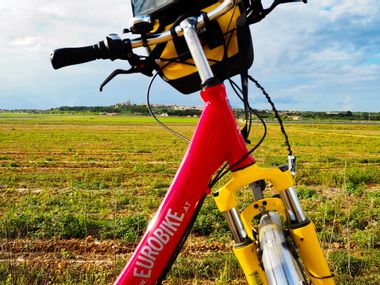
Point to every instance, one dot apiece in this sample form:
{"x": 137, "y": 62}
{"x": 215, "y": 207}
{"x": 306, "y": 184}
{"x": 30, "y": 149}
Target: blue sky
{"x": 322, "y": 56}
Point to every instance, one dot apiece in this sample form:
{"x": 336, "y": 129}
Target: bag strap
{"x": 179, "y": 42}
{"x": 242, "y": 29}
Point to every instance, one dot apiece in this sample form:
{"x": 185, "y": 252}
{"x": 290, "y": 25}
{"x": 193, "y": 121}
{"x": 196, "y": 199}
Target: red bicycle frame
{"x": 217, "y": 139}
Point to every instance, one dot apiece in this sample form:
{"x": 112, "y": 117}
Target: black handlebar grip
{"x": 70, "y": 56}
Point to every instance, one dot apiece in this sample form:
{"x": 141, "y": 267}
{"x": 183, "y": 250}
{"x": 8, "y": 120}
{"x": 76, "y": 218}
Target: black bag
{"x": 227, "y": 41}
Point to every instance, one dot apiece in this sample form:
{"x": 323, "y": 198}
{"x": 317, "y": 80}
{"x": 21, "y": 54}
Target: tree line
{"x": 140, "y": 109}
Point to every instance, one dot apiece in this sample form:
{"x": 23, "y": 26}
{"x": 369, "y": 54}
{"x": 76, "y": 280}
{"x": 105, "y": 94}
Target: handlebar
{"x": 111, "y": 48}
{"x": 115, "y": 48}
{"x": 70, "y": 56}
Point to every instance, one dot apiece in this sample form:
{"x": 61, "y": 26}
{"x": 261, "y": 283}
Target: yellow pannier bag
{"x": 226, "y": 43}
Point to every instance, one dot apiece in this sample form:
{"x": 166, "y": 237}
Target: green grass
{"x": 84, "y": 119}
{"x": 75, "y": 176}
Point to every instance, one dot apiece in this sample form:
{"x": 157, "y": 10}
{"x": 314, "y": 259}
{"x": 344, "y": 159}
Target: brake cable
{"x": 238, "y": 91}
{"x": 149, "y": 106}
{"x": 223, "y": 171}
{"x": 277, "y": 115}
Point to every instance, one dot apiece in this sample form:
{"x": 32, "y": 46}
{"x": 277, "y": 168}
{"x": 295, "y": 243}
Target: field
{"x": 76, "y": 192}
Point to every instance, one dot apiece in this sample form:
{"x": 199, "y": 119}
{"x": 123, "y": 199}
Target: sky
{"x": 320, "y": 56}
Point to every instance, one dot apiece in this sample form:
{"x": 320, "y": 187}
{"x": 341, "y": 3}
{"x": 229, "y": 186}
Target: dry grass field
{"x": 76, "y": 192}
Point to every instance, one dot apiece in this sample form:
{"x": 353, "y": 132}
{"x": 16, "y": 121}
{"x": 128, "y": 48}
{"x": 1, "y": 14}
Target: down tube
{"x": 217, "y": 139}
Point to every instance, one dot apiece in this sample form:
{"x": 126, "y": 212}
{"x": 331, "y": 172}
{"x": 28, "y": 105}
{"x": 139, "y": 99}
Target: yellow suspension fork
{"x": 241, "y": 224}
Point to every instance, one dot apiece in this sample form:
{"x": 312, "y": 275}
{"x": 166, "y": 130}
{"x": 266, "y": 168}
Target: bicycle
{"x": 274, "y": 242}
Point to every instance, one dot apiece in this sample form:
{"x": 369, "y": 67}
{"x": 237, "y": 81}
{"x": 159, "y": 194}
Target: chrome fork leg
{"x": 293, "y": 206}
{"x": 236, "y": 226}
{"x": 290, "y": 199}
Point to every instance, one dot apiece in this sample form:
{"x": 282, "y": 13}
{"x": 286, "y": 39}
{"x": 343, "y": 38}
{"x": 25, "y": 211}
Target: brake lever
{"x": 116, "y": 73}
{"x": 278, "y": 2}
{"x": 144, "y": 66}
{"x": 258, "y": 12}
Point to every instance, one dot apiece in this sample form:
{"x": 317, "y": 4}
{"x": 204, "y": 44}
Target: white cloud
{"x": 29, "y": 42}
{"x": 317, "y": 54}
{"x": 347, "y": 104}
{"x": 59, "y": 9}
{"x": 365, "y": 9}
{"x": 325, "y": 51}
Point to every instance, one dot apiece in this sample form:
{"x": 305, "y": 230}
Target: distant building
{"x": 183, "y": 107}
{"x": 108, "y": 114}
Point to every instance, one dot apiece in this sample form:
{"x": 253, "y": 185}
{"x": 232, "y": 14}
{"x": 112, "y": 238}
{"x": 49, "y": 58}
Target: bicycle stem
{"x": 191, "y": 36}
